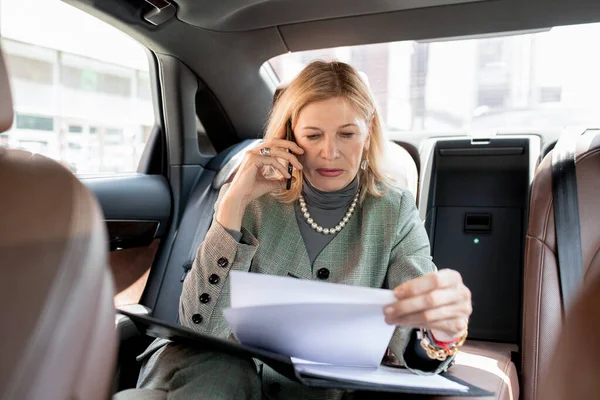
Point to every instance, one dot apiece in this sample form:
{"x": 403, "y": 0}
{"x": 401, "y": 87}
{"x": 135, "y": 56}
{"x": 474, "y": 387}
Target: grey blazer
{"x": 383, "y": 245}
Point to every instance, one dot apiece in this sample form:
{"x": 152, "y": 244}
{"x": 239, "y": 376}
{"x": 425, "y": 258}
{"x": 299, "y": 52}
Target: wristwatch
{"x": 437, "y": 350}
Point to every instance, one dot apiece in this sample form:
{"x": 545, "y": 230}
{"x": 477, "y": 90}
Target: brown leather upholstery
{"x": 542, "y": 317}
{"x": 576, "y": 364}
{"x": 58, "y": 337}
{"x": 489, "y": 366}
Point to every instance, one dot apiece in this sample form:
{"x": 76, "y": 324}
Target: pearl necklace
{"x": 327, "y": 231}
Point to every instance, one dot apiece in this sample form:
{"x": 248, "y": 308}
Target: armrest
{"x": 124, "y": 325}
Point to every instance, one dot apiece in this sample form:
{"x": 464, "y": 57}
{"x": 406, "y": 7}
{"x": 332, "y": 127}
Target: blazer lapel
{"x": 285, "y": 251}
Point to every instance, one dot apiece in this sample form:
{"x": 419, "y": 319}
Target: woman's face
{"x": 334, "y": 137}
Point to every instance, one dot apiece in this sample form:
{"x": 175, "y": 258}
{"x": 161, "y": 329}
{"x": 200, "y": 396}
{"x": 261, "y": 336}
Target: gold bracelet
{"x": 437, "y": 353}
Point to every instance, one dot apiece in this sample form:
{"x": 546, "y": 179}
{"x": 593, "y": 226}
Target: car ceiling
{"x": 241, "y": 15}
{"x": 225, "y": 42}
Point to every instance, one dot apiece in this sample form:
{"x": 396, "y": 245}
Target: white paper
{"x": 381, "y": 375}
{"x": 339, "y": 329}
{"x": 347, "y": 334}
{"x": 249, "y": 289}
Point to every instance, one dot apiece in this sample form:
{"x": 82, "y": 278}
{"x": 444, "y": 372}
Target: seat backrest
{"x": 195, "y": 221}
{"x": 402, "y": 167}
{"x": 58, "y": 338}
{"x": 542, "y": 309}
{"x": 576, "y": 363}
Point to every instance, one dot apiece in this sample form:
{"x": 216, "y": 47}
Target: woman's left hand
{"x": 438, "y": 301}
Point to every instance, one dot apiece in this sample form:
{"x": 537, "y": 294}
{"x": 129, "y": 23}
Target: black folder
{"x": 156, "y": 328}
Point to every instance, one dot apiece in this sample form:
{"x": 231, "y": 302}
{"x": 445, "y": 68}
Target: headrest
{"x": 402, "y": 167}
{"x": 6, "y": 105}
{"x": 228, "y": 165}
{"x": 56, "y": 294}
{"x": 279, "y": 91}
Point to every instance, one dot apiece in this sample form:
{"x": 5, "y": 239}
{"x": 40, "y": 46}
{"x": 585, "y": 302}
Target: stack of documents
{"x": 328, "y": 330}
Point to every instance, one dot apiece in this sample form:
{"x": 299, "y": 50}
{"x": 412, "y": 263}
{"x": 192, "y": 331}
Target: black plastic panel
{"x": 476, "y": 223}
{"x": 128, "y": 234}
{"x": 135, "y": 197}
{"x": 482, "y": 151}
{"x": 483, "y": 187}
{"x": 490, "y": 266}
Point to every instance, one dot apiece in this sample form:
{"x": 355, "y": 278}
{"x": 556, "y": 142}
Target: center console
{"x": 474, "y": 198}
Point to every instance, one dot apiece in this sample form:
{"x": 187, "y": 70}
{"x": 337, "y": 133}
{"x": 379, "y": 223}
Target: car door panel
{"x": 133, "y": 198}
{"x": 137, "y": 209}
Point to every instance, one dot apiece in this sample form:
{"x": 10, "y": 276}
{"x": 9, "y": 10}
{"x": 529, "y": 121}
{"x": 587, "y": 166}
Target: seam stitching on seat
{"x": 536, "y": 346}
{"x": 543, "y": 243}
{"x": 538, "y": 319}
{"x": 587, "y": 268}
{"x": 547, "y": 219}
{"x": 525, "y": 298}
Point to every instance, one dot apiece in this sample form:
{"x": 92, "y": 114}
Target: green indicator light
{"x": 476, "y": 240}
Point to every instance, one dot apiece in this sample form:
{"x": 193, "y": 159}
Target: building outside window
{"x": 80, "y": 99}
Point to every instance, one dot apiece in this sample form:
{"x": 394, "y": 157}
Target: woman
{"x": 341, "y": 221}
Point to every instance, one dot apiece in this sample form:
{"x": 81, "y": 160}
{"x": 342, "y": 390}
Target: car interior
{"x": 485, "y": 196}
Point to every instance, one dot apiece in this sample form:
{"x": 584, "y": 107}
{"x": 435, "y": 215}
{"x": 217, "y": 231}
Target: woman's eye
{"x": 312, "y": 137}
{"x": 347, "y": 134}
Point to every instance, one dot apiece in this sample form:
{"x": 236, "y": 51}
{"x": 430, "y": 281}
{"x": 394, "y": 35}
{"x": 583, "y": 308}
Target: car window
{"x": 81, "y": 88}
{"x": 541, "y": 80}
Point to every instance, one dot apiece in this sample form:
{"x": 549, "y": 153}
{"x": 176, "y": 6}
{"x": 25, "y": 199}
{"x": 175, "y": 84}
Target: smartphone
{"x": 290, "y": 137}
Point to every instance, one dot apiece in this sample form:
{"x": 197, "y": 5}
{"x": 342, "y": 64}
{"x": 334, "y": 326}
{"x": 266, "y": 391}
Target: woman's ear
{"x": 368, "y": 142}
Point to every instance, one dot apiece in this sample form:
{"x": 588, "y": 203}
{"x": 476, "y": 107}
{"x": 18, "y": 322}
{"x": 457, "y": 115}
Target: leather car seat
{"x": 576, "y": 363}
{"x": 542, "y": 308}
{"x": 58, "y": 338}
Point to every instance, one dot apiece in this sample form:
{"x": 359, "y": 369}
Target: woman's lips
{"x": 330, "y": 173}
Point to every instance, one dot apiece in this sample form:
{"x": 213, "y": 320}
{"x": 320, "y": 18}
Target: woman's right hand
{"x": 251, "y": 182}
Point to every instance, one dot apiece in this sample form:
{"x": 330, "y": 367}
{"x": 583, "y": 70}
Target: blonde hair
{"x": 319, "y": 81}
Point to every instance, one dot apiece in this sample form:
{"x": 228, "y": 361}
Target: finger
{"x": 432, "y": 316}
{"x": 285, "y": 144}
{"x": 262, "y": 161}
{"x": 283, "y": 154}
{"x": 444, "y": 278}
{"x": 428, "y": 301}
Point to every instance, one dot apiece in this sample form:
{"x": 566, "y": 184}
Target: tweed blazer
{"x": 382, "y": 245}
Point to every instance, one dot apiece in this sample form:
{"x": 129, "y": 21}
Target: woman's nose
{"x": 330, "y": 150}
